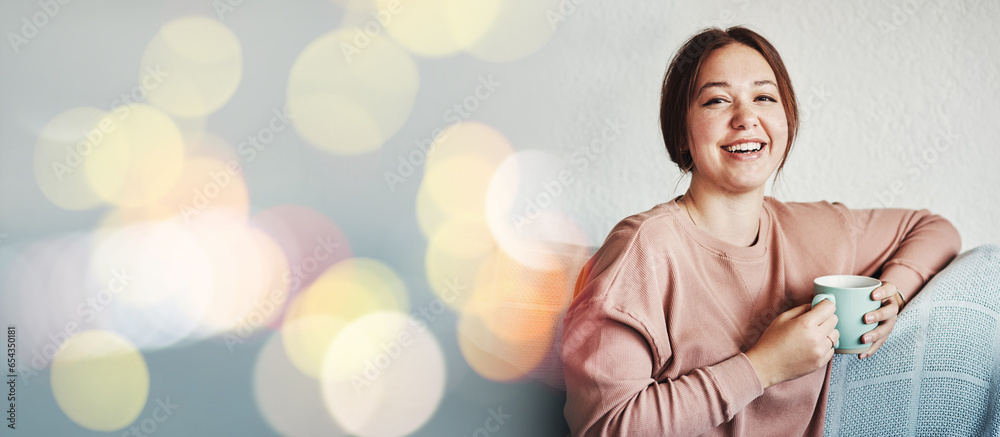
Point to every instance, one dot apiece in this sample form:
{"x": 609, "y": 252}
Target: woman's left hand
{"x": 884, "y": 316}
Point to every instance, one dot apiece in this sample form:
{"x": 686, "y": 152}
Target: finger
{"x": 871, "y": 351}
{"x": 828, "y": 356}
{"x": 830, "y": 324}
{"x": 796, "y": 311}
{"x": 835, "y": 336}
{"x": 882, "y": 331}
{"x": 820, "y": 312}
{"x": 884, "y": 313}
{"x": 884, "y": 291}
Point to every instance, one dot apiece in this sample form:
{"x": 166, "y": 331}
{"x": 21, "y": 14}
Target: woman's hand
{"x": 797, "y": 342}
{"x": 885, "y": 316}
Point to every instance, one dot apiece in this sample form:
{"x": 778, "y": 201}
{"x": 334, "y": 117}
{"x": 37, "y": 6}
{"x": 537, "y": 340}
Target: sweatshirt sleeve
{"x": 614, "y": 344}
{"x": 904, "y": 247}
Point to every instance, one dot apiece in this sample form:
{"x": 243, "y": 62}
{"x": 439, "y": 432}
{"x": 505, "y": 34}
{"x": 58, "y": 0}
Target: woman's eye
{"x": 767, "y": 98}
{"x": 714, "y": 101}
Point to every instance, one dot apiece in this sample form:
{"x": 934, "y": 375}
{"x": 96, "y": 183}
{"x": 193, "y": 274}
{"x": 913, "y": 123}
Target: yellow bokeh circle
{"x": 100, "y": 380}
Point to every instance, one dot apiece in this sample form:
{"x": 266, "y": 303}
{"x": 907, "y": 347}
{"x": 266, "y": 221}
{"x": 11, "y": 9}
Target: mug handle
{"x": 821, "y": 297}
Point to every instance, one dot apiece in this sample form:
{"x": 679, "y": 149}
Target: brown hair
{"x": 680, "y": 81}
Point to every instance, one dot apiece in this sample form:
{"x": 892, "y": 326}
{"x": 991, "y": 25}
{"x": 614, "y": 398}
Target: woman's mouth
{"x": 744, "y": 147}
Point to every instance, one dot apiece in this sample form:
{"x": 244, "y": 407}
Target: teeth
{"x": 743, "y": 147}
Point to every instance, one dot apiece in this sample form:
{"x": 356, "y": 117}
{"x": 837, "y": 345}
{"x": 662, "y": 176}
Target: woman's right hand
{"x": 797, "y": 342}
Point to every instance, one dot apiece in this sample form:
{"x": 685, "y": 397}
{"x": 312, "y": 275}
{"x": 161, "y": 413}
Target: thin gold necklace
{"x": 687, "y": 210}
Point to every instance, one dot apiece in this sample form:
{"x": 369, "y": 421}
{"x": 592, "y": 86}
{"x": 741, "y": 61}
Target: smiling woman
{"x": 694, "y": 317}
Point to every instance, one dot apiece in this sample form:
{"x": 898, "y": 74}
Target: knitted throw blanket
{"x": 939, "y": 372}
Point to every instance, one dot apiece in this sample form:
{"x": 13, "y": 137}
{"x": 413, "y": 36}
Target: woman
{"x": 693, "y": 317}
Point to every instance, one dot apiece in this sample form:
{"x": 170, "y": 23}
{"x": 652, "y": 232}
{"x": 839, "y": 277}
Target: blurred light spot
{"x": 509, "y": 324}
{"x": 156, "y": 281}
{"x": 191, "y": 67}
{"x": 353, "y": 5}
{"x": 35, "y": 296}
{"x": 204, "y": 183}
{"x": 469, "y": 138}
{"x": 350, "y": 289}
{"x": 248, "y": 267}
{"x": 63, "y": 145}
{"x": 100, "y": 380}
{"x": 459, "y": 185}
{"x": 347, "y": 97}
{"x": 458, "y": 174}
{"x": 139, "y": 158}
{"x": 287, "y": 398}
{"x": 310, "y": 240}
{"x": 521, "y": 204}
{"x": 520, "y": 28}
{"x": 432, "y": 28}
{"x": 455, "y": 253}
{"x": 383, "y": 375}
{"x": 307, "y": 337}
{"x": 430, "y": 214}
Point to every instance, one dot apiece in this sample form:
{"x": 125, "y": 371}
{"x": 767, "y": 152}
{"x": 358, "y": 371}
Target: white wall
{"x": 896, "y": 95}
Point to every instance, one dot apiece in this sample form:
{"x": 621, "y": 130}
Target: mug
{"x": 852, "y": 296}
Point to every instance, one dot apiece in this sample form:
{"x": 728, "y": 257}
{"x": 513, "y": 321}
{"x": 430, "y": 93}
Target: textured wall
{"x": 898, "y": 95}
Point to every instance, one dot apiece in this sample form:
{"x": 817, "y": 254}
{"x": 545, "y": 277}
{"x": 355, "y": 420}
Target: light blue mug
{"x": 852, "y": 296}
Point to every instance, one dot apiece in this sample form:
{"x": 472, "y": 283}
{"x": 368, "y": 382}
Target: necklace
{"x": 687, "y": 210}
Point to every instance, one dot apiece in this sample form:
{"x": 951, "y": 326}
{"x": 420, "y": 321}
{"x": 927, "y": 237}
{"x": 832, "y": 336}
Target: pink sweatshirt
{"x": 654, "y": 340}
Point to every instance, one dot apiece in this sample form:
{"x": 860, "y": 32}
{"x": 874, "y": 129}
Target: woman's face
{"x": 737, "y": 131}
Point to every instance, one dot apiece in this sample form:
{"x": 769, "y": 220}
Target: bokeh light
{"x": 204, "y": 183}
{"x": 348, "y": 101}
{"x": 454, "y": 255}
{"x": 62, "y": 146}
{"x": 289, "y": 400}
{"x": 191, "y": 67}
{"x": 383, "y": 376}
{"x": 139, "y": 158}
{"x": 458, "y": 173}
{"x": 155, "y": 280}
{"x": 436, "y": 28}
{"x": 248, "y": 269}
{"x": 509, "y": 324}
{"x": 100, "y": 380}
{"x": 521, "y": 27}
{"x": 522, "y": 204}
{"x": 43, "y": 300}
{"x": 310, "y": 241}
{"x": 350, "y": 289}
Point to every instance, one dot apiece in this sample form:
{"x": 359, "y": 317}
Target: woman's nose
{"x": 744, "y": 117}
